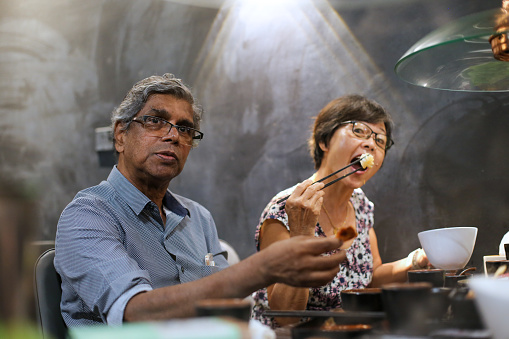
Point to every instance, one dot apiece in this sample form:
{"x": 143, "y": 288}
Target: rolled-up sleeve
{"x": 112, "y": 244}
{"x": 93, "y": 263}
{"x": 116, "y": 312}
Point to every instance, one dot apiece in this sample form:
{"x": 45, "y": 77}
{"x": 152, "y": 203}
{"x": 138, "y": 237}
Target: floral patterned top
{"x": 355, "y": 272}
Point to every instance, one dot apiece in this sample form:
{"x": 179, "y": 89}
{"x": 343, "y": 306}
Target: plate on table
{"x": 334, "y": 327}
{"x": 339, "y": 314}
{"x": 332, "y": 324}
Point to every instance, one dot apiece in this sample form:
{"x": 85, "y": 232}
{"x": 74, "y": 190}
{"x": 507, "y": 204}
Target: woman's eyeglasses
{"x": 363, "y": 131}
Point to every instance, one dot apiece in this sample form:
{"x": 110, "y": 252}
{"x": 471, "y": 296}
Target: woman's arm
{"x": 303, "y": 208}
{"x": 395, "y": 271}
{"x": 282, "y": 296}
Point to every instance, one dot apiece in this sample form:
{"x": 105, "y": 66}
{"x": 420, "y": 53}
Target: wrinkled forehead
{"x": 167, "y": 107}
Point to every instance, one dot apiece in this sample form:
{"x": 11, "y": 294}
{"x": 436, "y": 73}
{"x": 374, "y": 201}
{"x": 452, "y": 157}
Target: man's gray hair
{"x": 139, "y": 93}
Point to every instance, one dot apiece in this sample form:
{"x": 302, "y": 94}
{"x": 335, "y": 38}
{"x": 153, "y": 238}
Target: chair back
{"x": 48, "y": 293}
{"x": 233, "y": 256}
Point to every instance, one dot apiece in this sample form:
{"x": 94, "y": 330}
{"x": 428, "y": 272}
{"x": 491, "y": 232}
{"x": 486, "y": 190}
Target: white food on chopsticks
{"x": 367, "y": 160}
{"x": 501, "y": 270}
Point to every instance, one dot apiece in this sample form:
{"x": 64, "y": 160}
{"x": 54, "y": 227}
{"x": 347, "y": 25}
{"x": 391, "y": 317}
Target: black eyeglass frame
{"x": 389, "y": 142}
{"x": 142, "y": 120}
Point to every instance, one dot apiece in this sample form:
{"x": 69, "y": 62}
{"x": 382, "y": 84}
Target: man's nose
{"x": 172, "y": 134}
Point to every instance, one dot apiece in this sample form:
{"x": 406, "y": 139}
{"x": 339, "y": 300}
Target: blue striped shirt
{"x": 111, "y": 244}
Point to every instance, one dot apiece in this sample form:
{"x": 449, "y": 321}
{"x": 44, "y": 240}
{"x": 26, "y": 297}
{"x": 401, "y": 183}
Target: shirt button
{"x": 182, "y": 269}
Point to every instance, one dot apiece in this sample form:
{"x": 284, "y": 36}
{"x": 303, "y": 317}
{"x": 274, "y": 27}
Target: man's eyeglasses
{"x": 158, "y": 127}
{"x": 363, "y": 131}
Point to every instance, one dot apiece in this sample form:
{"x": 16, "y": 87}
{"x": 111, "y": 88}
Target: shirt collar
{"x": 174, "y": 205}
{"x": 137, "y": 200}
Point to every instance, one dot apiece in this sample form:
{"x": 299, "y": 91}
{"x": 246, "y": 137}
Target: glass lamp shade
{"x": 459, "y": 56}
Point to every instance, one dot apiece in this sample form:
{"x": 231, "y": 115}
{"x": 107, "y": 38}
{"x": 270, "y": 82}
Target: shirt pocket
{"x": 207, "y": 270}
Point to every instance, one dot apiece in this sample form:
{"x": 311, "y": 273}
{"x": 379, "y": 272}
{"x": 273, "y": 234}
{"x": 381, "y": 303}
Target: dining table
{"x": 310, "y": 327}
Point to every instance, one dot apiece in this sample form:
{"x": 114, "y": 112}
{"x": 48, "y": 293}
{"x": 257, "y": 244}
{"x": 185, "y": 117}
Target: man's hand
{"x": 303, "y": 207}
{"x": 299, "y": 262}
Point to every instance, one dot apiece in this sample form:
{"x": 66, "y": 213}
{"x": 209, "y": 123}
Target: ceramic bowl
{"x": 464, "y": 312}
{"x": 451, "y": 280}
{"x": 449, "y": 248}
{"x": 362, "y": 300}
{"x": 435, "y": 276}
{"x": 407, "y": 307}
{"x": 492, "y": 299}
{"x": 439, "y": 302}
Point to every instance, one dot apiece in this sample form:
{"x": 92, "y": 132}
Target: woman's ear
{"x": 322, "y": 146}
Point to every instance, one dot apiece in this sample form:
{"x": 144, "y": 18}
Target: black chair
{"x": 48, "y": 293}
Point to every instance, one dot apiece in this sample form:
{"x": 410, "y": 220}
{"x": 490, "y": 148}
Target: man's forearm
{"x": 178, "y": 301}
{"x": 297, "y": 262}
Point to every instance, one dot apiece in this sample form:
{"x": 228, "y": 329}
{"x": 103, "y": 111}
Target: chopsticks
{"x": 344, "y": 176}
{"x": 330, "y": 175}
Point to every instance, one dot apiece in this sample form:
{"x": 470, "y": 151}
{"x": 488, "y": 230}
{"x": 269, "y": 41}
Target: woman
{"x": 343, "y": 131}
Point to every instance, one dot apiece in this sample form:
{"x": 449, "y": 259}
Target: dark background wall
{"x": 261, "y": 70}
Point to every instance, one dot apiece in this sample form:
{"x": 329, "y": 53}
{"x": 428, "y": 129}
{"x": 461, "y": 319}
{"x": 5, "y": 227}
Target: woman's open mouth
{"x": 357, "y": 167}
{"x": 362, "y": 162}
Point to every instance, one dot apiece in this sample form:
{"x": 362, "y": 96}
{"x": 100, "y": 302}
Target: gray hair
{"x": 138, "y": 95}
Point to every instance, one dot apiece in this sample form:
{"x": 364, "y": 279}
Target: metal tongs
{"x": 334, "y": 173}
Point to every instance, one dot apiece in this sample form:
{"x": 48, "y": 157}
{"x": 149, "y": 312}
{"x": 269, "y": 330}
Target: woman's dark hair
{"x": 342, "y": 109}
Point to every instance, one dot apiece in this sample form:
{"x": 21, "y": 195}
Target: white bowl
{"x": 449, "y": 248}
{"x": 492, "y": 300}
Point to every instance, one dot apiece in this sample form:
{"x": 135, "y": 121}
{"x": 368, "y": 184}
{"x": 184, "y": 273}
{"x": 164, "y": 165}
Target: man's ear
{"x": 119, "y": 136}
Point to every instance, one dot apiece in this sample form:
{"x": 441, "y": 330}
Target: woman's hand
{"x": 303, "y": 208}
{"x": 419, "y": 259}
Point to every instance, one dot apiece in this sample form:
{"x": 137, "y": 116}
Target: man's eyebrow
{"x": 163, "y": 113}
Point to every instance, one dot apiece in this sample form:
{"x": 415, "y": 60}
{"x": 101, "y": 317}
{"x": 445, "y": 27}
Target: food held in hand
{"x": 346, "y": 233}
{"x": 367, "y": 160}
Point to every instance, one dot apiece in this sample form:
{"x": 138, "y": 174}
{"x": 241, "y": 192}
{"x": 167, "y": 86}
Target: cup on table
{"x": 407, "y": 307}
{"x": 438, "y": 303}
{"x": 452, "y": 280}
{"x": 465, "y": 314}
{"x": 493, "y": 262}
{"x": 434, "y": 276}
{"x": 362, "y": 300}
{"x": 224, "y": 307}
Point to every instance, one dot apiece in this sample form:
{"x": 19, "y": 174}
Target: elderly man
{"x": 128, "y": 249}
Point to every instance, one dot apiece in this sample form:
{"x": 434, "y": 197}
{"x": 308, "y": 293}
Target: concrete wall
{"x": 261, "y": 73}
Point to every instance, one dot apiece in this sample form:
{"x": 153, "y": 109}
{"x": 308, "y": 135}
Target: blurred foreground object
{"x": 192, "y": 328}
{"x": 17, "y": 222}
{"x": 492, "y": 299}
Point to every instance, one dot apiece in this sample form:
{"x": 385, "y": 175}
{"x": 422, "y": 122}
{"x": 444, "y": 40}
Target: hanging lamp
{"x": 470, "y": 54}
